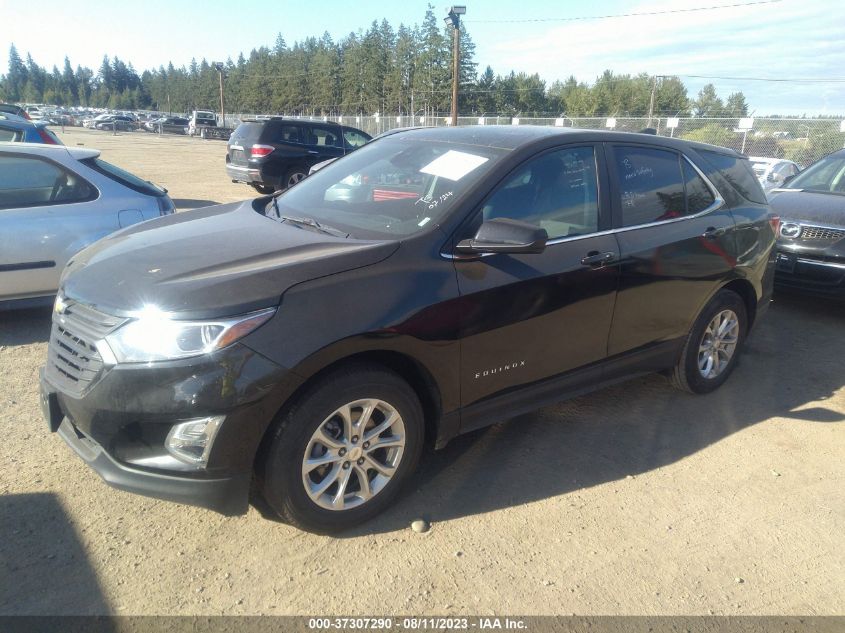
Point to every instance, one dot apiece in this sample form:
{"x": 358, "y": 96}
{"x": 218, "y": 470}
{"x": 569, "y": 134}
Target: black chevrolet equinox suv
{"x": 303, "y": 347}
{"x": 276, "y": 153}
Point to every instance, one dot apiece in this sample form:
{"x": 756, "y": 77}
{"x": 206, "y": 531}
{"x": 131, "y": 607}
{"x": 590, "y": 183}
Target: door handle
{"x": 713, "y": 233}
{"x": 312, "y": 151}
{"x": 597, "y": 260}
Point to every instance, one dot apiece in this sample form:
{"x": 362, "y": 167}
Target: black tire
{"x": 263, "y": 189}
{"x": 294, "y": 172}
{"x": 283, "y": 487}
{"x": 686, "y": 375}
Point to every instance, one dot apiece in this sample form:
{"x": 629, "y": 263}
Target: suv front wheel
{"x": 342, "y": 451}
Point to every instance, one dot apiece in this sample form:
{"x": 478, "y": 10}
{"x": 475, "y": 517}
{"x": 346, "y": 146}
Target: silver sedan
{"x": 55, "y": 201}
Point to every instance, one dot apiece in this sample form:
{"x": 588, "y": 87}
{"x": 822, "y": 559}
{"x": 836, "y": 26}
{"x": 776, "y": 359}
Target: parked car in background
{"x": 811, "y": 244}
{"x": 773, "y": 172}
{"x": 116, "y": 122}
{"x": 276, "y": 153}
{"x": 16, "y": 129}
{"x": 199, "y": 119}
{"x": 171, "y": 125}
{"x": 303, "y": 346}
{"x": 10, "y": 108}
{"x": 93, "y": 121}
{"x": 54, "y": 201}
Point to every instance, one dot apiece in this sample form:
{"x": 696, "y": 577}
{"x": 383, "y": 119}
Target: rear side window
{"x": 322, "y": 137}
{"x": 9, "y": 135}
{"x": 289, "y": 134}
{"x": 122, "y": 176}
{"x": 27, "y": 181}
{"x": 739, "y": 173}
{"x": 354, "y": 138}
{"x": 651, "y": 185}
{"x": 699, "y": 196}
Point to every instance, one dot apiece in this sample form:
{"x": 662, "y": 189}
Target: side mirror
{"x": 505, "y": 236}
{"x": 788, "y": 179}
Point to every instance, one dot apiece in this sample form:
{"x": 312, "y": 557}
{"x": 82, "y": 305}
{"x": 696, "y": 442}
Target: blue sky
{"x": 787, "y": 39}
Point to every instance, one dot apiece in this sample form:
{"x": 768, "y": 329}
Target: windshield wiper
{"x": 311, "y": 223}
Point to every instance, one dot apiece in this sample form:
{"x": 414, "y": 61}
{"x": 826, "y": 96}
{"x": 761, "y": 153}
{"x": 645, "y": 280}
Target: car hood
{"x": 825, "y": 209}
{"x": 208, "y": 263}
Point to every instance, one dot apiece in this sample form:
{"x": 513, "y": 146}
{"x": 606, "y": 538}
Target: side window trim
{"x": 616, "y": 212}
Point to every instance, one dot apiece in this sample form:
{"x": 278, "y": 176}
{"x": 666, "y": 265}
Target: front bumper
{"x": 226, "y": 495}
{"x": 804, "y": 273}
{"x": 118, "y": 425}
{"x": 243, "y": 174}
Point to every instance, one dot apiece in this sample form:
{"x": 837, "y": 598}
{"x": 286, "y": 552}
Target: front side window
{"x": 651, "y": 186}
{"x": 29, "y": 181}
{"x": 393, "y": 188}
{"x": 557, "y": 191}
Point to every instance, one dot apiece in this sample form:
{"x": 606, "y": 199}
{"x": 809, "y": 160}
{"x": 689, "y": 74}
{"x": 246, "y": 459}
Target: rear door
{"x": 676, "y": 241}
{"x": 46, "y": 210}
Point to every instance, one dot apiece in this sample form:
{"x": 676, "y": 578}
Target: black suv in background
{"x": 276, "y": 153}
{"x": 435, "y": 281}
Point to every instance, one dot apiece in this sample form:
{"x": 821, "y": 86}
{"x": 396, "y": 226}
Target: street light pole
{"x": 454, "y": 19}
{"x": 219, "y": 67}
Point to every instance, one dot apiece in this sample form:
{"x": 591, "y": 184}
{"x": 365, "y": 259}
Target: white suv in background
{"x": 772, "y": 172}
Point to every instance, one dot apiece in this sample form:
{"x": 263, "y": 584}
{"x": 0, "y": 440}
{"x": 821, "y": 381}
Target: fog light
{"x": 191, "y": 441}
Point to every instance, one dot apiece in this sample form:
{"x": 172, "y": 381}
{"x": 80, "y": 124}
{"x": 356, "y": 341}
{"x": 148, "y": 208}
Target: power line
{"x": 832, "y": 80}
{"x": 630, "y": 15}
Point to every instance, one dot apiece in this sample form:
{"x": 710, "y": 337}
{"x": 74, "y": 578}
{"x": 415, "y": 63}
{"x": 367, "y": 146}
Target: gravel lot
{"x": 633, "y": 500}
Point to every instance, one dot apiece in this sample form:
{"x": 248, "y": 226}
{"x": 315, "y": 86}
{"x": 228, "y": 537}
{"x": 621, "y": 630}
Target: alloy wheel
{"x": 353, "y": 454}
{"x": 718, "y": 344}
{"x": 295, "y": 178}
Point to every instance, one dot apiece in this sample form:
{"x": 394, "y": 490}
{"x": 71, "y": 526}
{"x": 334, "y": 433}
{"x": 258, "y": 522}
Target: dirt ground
{"x": 636, "y": 499}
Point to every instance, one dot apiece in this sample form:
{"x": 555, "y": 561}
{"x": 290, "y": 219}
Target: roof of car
{"x": 511, "y": 137}
{"x": 79, "y": 153}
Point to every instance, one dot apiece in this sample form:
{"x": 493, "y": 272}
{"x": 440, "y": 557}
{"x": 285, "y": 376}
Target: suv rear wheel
{"x": 713, "y": 345}
{"x": 293, "y": 176}
{"x": 342, "y": 451}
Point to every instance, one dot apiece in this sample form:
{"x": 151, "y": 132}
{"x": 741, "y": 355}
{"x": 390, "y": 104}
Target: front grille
{"x": 821, "y": 233}
{"x": 73, "y": 361}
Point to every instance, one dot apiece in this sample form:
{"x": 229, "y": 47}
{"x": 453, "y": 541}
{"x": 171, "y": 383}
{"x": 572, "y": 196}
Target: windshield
{"x": 388, "y": 189}
{"x": 827, "y": 175}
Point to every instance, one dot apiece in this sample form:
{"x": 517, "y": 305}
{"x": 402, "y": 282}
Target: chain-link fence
{"x": 800, "y": 140}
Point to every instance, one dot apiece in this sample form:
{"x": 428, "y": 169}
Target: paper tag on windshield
{"x": 453, "y": 165}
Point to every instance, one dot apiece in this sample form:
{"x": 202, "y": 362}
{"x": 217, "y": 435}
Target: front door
{"x": 527, "y": 318}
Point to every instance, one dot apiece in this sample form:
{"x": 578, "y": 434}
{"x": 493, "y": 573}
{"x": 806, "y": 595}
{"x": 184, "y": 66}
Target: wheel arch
{"x": 745, "y": 289}
{"x": 406, "y": 367}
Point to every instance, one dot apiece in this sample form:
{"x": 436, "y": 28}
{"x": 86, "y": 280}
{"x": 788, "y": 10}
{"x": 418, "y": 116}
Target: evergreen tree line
{"x": 390, "y": 71}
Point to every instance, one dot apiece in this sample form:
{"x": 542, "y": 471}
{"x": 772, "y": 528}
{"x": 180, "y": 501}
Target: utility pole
{"x": 454, "y": 19}
{"x": 219, "y": 67}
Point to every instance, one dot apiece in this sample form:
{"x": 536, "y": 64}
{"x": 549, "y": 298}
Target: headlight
{"x": 153, "y": 336}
